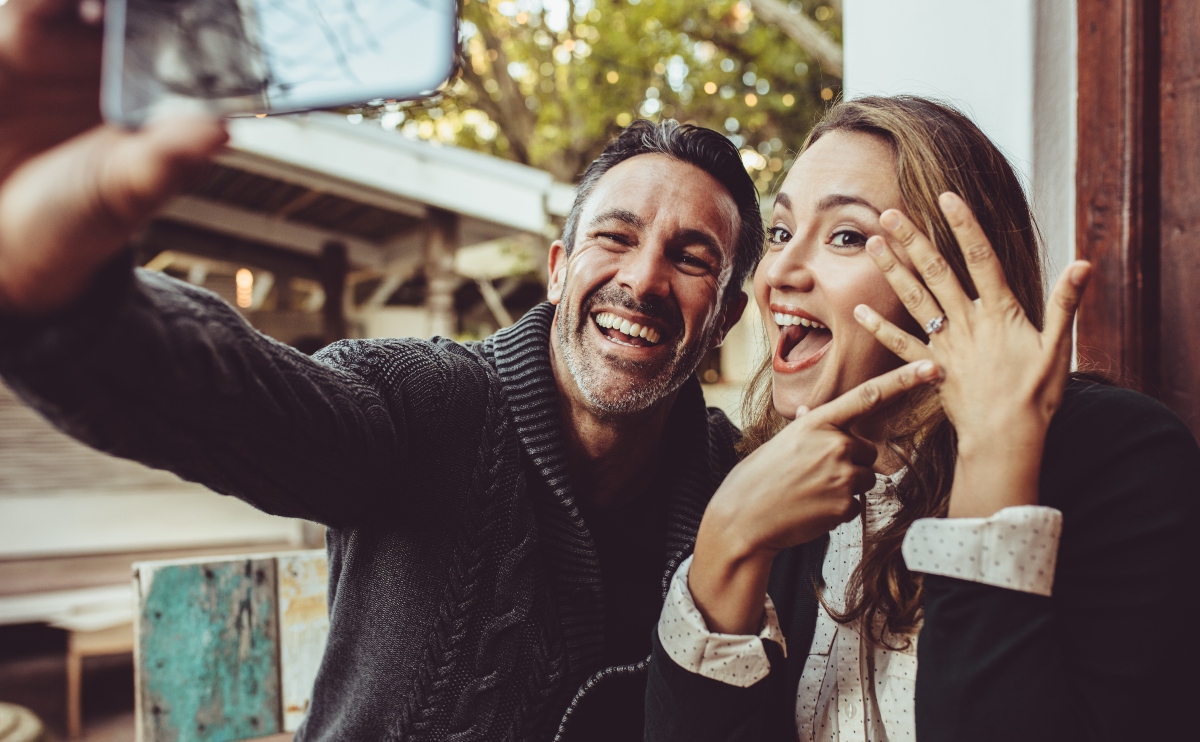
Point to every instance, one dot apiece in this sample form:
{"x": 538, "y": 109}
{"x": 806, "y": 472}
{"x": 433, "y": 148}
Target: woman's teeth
{"x": 783, "y": 320}
{"x": 608, "y": 320}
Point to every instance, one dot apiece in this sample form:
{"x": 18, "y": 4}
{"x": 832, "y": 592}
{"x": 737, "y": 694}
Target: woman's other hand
{"x": 796, "y": 487}
{"x": 72, "y": 190}
{"x": 1004, "y": 379}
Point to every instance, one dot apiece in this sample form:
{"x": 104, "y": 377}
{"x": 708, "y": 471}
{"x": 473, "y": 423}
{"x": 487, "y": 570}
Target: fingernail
{"x": 890, "y": 219}
{"x": 861, "y": 313}
{"x": 1079, "y": 274}
{"x": 875, "y": 246}
{"x": 927, "y": 370}
{"x": 801, "y": 411}
{"x": 948, "y": 200}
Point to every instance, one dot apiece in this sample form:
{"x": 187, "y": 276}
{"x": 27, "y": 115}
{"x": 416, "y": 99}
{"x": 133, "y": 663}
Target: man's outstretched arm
{"x": 156, "y": 370}
{"x": 152, "y": 369}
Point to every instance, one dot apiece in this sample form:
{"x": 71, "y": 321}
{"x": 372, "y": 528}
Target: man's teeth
{"x": 783, "y": 320}
{"x": 608, "y": 320}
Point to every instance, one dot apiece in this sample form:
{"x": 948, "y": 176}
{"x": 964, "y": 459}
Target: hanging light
{"x": 244, "y": 280}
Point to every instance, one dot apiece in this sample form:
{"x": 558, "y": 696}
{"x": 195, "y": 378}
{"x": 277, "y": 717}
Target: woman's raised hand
{"x": 1004, "y": 378}
{"x": 72, "y": 190}
{"x": 797, "y": 486}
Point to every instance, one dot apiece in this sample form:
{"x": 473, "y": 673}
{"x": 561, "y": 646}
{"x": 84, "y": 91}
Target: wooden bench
{"x": 228, "y": 649}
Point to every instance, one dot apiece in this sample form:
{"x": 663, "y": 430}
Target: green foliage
{"x": 548, "y": 82}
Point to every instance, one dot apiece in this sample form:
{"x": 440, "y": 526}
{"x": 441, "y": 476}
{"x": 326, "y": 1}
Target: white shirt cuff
{"x": 1015, "y": 548}
{"x": 734, "y": 659}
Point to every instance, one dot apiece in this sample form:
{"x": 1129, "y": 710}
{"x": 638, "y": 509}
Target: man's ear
{"x": 557, "y": 271}
{"x": 730, "y": 314}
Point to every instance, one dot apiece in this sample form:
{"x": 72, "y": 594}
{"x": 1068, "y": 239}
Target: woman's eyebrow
{"x": 838, "y": 199}
{"x": 829, "y": 202}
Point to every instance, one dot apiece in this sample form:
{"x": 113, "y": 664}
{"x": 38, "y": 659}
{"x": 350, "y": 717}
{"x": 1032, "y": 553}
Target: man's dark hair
{"x": 695, "y": 145}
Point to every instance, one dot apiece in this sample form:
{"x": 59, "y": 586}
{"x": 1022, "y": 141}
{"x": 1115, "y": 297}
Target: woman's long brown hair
{"x": 937, "y": 149}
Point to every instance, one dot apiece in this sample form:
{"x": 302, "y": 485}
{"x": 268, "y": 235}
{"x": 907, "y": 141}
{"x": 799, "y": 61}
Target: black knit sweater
{"x": 465, "y": 591}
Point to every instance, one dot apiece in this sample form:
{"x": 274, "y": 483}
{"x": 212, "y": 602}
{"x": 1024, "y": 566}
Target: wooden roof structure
{"x": 313, "y": 198}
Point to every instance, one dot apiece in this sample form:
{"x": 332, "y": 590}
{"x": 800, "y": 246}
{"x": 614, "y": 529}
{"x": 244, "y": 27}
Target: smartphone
{"x": 253, "y": 57}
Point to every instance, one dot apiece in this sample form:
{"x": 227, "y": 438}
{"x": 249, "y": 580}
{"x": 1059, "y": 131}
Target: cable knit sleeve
{"x": 152, "y": 369}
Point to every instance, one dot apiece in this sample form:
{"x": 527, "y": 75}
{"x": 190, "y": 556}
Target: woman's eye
{"x": 779, "y": 236}
{"x": 848, "y": 238}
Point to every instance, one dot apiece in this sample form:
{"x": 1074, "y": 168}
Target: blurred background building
{"x": 415, "y": 219}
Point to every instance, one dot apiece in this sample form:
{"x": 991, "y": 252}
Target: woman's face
{"x": 816, "y": 270}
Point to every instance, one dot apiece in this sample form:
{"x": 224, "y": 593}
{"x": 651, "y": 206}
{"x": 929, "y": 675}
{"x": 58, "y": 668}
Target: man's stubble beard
{"x": 590, "y": 369}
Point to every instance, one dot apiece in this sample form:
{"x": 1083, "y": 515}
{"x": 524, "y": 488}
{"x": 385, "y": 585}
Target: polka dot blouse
{"x": 849, "y": 689}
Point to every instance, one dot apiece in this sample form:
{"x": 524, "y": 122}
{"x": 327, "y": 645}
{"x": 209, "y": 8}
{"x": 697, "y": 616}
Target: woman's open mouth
{"x": 802, "y": 342}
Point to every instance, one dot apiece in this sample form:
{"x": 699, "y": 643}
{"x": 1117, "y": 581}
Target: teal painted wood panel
{"x": 208, "y": 646}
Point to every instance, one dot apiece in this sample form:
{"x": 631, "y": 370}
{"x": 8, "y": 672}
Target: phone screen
{"x": 231, "y": 57}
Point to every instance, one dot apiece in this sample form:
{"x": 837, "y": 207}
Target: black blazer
{"x": 1112, "y": 655}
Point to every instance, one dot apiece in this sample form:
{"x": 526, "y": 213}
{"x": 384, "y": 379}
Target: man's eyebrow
{"x": 621, "y": 215}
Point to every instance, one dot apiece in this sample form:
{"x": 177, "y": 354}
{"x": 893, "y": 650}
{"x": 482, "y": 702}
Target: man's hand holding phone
{"x": 73, "y": 190}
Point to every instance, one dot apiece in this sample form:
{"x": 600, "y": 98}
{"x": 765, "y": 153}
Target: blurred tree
{"x": 548, "y": 82}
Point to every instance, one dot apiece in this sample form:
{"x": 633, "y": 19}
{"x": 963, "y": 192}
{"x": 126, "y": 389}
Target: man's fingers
{"x": 66, "y": 211}
{"x": 915, "y": 297}
{"x": 891, "y": 337}
{"x": 872, "y": 395}
{"x": 144, "y": 169}
{"x": 934, "y": 269}
{"x": 982, "y": 263}
{"x": 1064, "y": 302}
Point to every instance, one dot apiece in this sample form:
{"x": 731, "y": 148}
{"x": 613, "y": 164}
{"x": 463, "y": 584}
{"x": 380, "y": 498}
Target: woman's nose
{"x": 791, "y": 269}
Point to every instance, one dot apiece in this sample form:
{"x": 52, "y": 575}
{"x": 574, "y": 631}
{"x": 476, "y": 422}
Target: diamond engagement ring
{"x": 935, "y": 325}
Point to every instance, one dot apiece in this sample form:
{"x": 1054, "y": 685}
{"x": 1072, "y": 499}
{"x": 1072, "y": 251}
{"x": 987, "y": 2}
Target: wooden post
{"x": 1138, "y": 195}
{"x": 1179, "y": 228}
{"x": 1117, "y": 187}
{"x": 334, "y": 267}
{"x": 440, "y": 245}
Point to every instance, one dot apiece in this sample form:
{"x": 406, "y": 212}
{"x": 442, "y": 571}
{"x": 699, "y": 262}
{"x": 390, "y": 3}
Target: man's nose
{"x": 646, "y": 271}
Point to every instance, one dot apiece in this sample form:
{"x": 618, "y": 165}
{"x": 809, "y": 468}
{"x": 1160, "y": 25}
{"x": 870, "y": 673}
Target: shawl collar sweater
{"x": 465, "y": 593}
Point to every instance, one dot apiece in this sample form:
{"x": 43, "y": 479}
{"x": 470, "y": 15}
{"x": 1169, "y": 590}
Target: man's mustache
{"x": 657, "y": 308}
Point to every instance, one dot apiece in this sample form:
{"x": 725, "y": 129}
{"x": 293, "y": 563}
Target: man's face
{"x": 639, "y": 300}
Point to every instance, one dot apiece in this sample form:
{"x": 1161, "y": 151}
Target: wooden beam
{"x": 467, "y": 183}
{"x": 278, "y": 169}
{"x": 163, "y": 235}
{"x": 251, "y": 225}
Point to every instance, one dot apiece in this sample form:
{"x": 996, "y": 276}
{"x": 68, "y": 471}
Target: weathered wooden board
{"x": 303, "y": 629}
{"x": 208, "y": 649}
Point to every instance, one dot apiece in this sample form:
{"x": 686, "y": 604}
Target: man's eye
{"x": 848, "y": 238}
{"x": 694, "y": 261}
{"x": 779, "y": 236}
{"x": 613, "y": 237}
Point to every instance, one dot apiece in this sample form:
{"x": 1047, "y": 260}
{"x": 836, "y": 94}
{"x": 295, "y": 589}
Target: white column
{"x": 1009, "y": 64}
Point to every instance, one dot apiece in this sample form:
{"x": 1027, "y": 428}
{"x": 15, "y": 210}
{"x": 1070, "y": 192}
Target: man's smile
{"x": 624, "y": 330}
